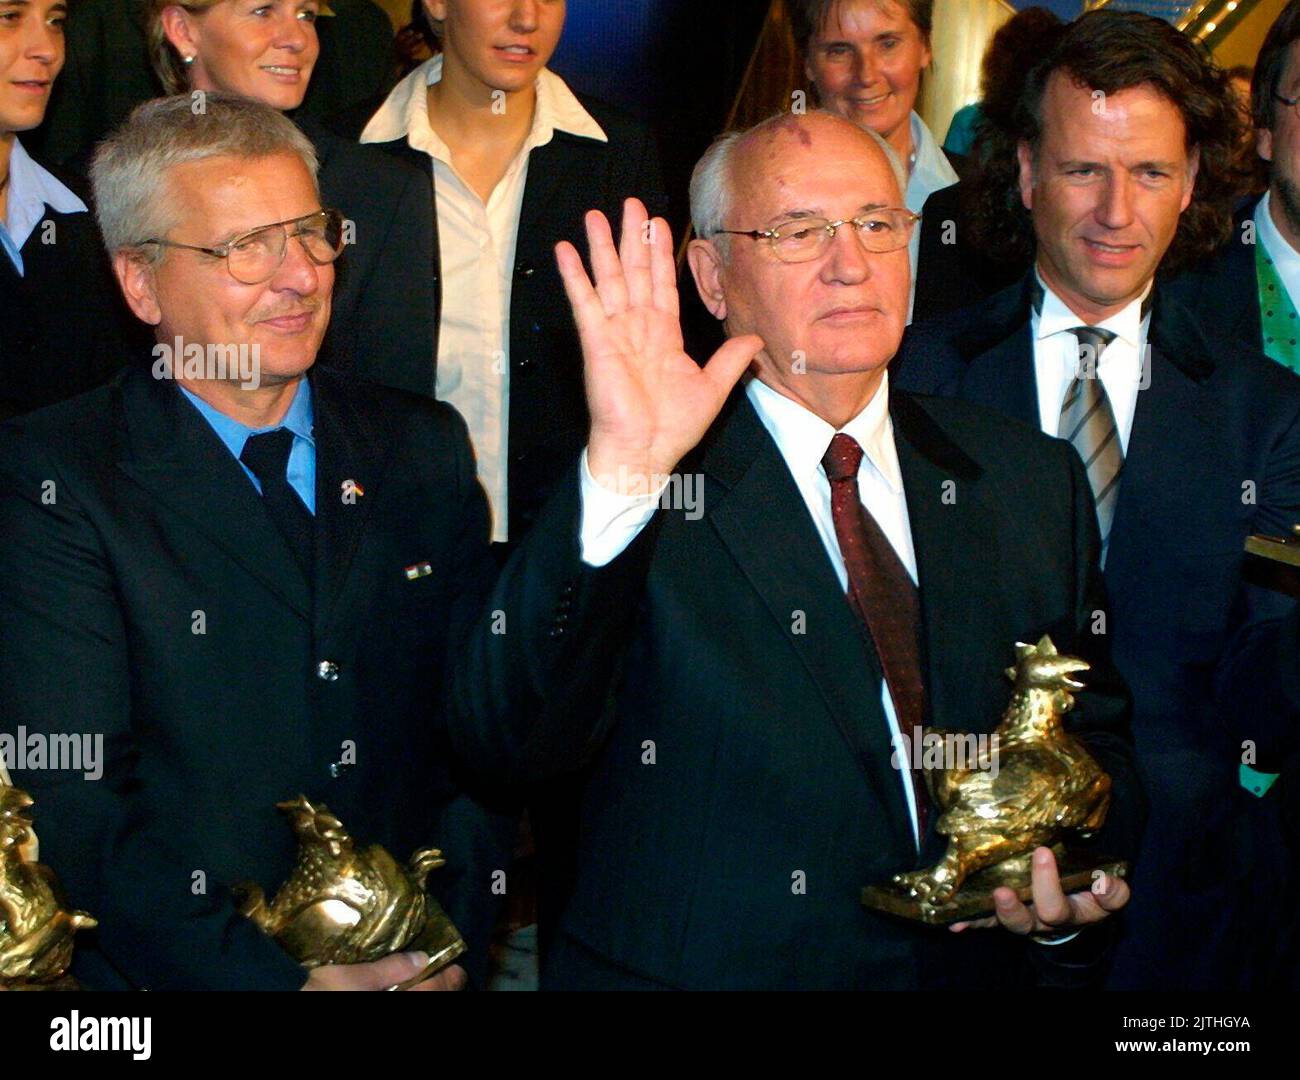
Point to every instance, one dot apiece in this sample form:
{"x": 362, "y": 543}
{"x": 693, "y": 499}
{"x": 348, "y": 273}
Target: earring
{"x": 188, "y": 60}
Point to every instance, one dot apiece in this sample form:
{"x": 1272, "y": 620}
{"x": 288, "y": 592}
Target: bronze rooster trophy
{"x": 1036, "y": 786}
{"x": 348, "y": 905}
{"x": 35, "y": 930}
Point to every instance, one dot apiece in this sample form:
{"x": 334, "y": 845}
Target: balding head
{"x": 717, "y": 171}
{"x": 833, "y": 315}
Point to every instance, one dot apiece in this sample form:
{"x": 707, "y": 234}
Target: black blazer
{"x": 65, "y": 325}
{"x": 154, "y": 530}
{"x": 1223, "y": 290}
{"x": 745, "y": 675}
{"x": 1214, "y": 456}
{"x": 953, "y": 271}
{"x": 567, "y": 177}
{"x": 383, "y": 322}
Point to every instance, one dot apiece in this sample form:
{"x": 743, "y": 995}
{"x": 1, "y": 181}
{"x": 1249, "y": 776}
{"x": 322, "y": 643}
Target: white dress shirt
{"x": 477, "y": 252}
{"x": 928, "y": 171}
{"x": 1120, "y": 366}
{"x": 610, "y": 522}
{"x": 1286, "y": 260}
{"x": 31, "y": 190}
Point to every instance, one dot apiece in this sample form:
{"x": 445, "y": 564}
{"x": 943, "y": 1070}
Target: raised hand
{"x": 650, "y": 403}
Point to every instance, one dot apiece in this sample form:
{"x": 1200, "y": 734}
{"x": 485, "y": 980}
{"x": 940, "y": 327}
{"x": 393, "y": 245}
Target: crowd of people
{"x": 352, "y": 450}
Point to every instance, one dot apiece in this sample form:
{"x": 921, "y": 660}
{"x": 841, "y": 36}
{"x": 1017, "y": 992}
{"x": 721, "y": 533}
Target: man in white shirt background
{"x": 734, "y": 741}
{"x": 1190, "y": 445}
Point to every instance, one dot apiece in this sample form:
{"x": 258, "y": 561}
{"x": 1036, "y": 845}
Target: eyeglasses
{"x": 254, "y": 257}
{"x": 807, "y": 238}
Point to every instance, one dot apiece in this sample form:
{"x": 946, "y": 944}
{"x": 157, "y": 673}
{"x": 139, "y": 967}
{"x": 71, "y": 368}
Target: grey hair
{"x": 711, "y": 180}
{"x": 129, "y": 174}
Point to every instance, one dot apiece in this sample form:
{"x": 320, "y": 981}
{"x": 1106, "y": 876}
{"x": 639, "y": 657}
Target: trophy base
{"x": 974, "y": 899}
{"x": 62, "y": 983}
{"x": 441, "y": 940}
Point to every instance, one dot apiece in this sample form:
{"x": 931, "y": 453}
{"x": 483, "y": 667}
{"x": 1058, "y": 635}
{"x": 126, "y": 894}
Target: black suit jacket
{"x": 1214, "y": 455}
{"x": 568, "y": 176}
{"x": 151, "y": 601}
{"x": 1223, "y": 290}
{"x": 952, "y": 270}
{"x": 384, "y": 319}
{"x": 66, "y": 327}
{"x": 731, "y": 727}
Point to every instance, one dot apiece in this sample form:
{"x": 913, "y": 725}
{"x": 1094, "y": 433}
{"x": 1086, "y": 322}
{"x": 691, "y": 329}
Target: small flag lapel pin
{"x": 418, "y": 570}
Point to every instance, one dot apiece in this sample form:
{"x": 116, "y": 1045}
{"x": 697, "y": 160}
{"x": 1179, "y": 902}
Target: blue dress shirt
{"x": 301, "y": 472}
{"x": 31, "y": 189}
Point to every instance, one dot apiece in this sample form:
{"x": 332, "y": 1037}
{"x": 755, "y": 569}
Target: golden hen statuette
{"x": 36, "y": 931}
{"x": 1043, "y": 787}
{"x": 347, "y": 905}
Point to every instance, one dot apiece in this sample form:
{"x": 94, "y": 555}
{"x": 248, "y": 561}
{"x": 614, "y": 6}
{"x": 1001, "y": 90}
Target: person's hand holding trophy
{"x": 1006, "y": 816}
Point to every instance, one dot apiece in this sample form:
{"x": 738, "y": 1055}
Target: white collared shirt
{"x": 1286, "y": 260}
{"x": 477, "y": 252}
{"x": 610, "y": 522}
{"x": 1056, "y": 360}
{"x": 931, "y": 171}
{"x": 31, "y": 189}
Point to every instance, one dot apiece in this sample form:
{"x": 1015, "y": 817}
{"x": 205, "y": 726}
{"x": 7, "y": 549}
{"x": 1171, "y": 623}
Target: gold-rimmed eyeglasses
{"x": 804, "y": 239}
{"x": 254, "y": 257}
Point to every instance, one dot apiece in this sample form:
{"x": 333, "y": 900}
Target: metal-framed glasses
{"x": 804, "y": 239}
{"x": 254, "y": 257}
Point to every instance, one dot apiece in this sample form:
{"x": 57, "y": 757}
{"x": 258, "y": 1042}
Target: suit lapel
{"x": 173, "y": 453}
{"x": 350, "y": 462}
{"x": 555, "y": 171}
{"x": 1175, "y": 427}
{"x": 764, "y": 523}
{"x": 1003, "y": 377}
{"x": 999, "y": 356}
{"x": 952, "y": 527}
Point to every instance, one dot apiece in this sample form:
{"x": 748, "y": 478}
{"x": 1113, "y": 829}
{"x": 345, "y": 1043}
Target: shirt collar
{"x": 1276, "y": 247}
{"x": 31, "y": 189}
{"x": 1057, "y": 318}
{"x": 931, "y": 169}
{"x": 405, "y": 113}
{"x": 803, "y": 437}
{"x": 299, "y": 419}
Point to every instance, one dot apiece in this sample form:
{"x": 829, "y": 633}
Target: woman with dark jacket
{"x": 63, "y": 323}
{"x": 384, "y": 320}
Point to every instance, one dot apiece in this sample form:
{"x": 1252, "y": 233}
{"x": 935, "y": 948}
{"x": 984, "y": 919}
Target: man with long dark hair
{"x": 1121, "y": 162}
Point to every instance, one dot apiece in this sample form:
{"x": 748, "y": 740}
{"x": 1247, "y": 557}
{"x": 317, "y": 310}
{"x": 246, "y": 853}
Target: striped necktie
{"x": 1088, "y": 422}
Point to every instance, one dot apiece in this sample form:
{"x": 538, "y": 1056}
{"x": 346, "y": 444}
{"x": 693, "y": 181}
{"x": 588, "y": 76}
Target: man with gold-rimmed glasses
{"x": 237, "y": 574}
{"x": 857, "y": 566}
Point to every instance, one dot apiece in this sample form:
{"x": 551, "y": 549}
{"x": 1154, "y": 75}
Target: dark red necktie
{"x": 883, "y": 596}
